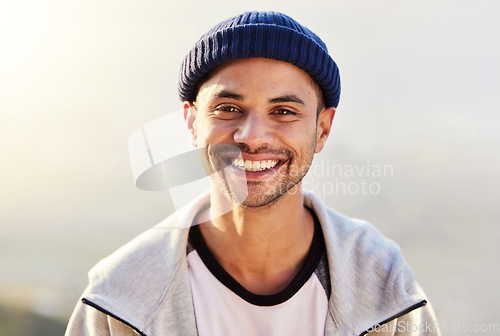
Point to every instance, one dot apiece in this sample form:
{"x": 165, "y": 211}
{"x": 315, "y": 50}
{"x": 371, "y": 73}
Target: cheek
{"x": 210, "y": 133}
{"x": 302, "y": 149}
{"x": 305, "y": 138}
{"x": 218, "y": 129}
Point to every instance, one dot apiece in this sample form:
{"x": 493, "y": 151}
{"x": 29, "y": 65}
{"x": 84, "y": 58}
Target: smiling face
{"x": 257, "y": 119}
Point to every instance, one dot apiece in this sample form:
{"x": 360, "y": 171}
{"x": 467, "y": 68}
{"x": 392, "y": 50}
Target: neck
{"x": 262, "y": 248}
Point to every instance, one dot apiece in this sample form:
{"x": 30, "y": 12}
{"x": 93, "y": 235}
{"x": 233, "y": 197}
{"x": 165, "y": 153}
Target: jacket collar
{"x": 145, "y": 283}
{"x": 371, "y": 283}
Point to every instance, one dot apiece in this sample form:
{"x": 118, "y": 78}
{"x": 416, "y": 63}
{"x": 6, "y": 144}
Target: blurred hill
{"x": 18, "y": 322}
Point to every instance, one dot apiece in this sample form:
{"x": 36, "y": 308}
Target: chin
{"x": 257, "y": 200}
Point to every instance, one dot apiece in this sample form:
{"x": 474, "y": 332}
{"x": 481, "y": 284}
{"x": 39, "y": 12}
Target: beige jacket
{"x": 143, "y": 288}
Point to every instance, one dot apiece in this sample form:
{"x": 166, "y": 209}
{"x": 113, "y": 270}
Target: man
{"x": 259, "y": 94}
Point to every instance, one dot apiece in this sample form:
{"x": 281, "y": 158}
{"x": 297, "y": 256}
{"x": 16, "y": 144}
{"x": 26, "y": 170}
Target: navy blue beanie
{"x": 261, "y": 34}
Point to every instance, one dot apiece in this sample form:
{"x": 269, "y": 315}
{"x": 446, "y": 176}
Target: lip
{"x": 256, "y": 157}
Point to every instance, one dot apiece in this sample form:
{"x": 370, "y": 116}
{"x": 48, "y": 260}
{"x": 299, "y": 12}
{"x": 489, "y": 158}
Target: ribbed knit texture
{"x": 261, "y": 34}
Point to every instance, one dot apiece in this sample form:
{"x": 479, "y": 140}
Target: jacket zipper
{"x": 102, "y": 310}
{"x": 404, "y": 312}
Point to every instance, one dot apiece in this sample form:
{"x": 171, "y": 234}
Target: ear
{"x": 325, "y": 120}
{"x": 190, "y": 114}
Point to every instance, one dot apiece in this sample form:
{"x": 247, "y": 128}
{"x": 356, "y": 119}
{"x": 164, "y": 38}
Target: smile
{"x": 249, "y": 165}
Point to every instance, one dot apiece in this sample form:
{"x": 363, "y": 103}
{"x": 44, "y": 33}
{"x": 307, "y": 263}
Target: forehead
{"x": 259, "y": 76}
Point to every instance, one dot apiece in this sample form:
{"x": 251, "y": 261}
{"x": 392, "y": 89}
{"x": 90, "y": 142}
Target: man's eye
{"x": 284, "y": 112}
{"x": 227, "y": 108}
{"x": 227, "y": 112}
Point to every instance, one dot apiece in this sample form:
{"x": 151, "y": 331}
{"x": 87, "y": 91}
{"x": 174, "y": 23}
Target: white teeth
{"x": 254, "y": 165}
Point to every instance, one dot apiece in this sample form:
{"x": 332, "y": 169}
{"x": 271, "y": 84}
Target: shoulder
{"x": 367, "y": 269}
{"x": 155, "y": 255}
{"x": 155, "y": 247}
{"x": 356, "y": 245}
{"x": 139, "y": 272}
{"x": 146, "y": 274}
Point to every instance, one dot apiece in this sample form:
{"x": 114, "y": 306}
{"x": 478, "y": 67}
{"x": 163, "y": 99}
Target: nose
{"x": 253, "y": 131}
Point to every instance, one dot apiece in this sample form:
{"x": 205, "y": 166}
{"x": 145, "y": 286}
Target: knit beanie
{"x": 261, "y": 34}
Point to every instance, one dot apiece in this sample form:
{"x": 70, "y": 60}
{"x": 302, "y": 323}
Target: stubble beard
{"x": 255, "y": 194}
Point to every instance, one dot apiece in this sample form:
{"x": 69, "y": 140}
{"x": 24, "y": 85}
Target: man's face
{"x": 257, "y": 120}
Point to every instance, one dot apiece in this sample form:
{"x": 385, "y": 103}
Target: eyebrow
{"x": 287, "y": 99}
{"x": 228, "y": 94}
{"x": 282, "y": 99}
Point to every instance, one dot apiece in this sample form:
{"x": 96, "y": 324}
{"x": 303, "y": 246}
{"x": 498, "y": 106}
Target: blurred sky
{"x": 420, "y": 82}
